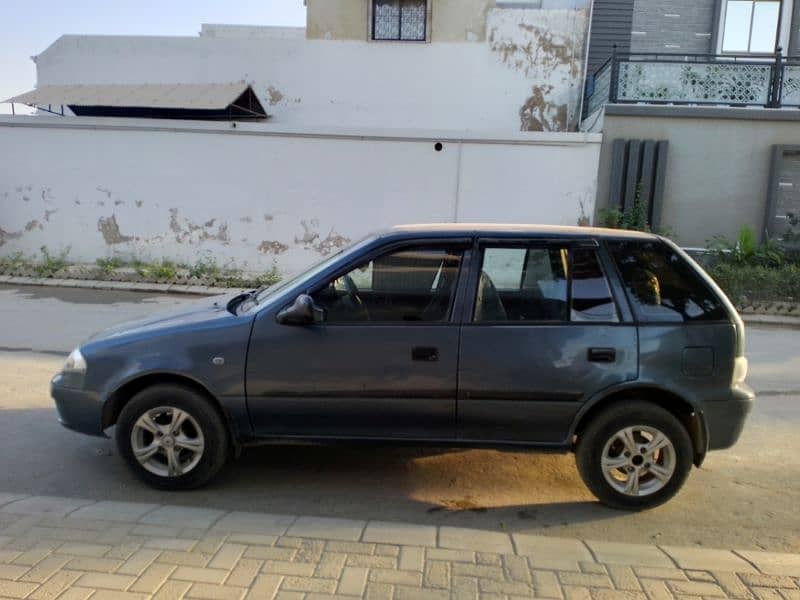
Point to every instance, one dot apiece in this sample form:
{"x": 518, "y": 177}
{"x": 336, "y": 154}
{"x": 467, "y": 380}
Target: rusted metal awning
{"x": 211, "y": 101}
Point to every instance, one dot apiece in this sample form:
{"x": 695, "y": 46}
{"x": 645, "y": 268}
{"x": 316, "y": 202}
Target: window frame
{"x": 782, "y": 33}
{"x": 427, "y": 34}
{"x": 463, "y": 245}
{"x": 624, "y": 316}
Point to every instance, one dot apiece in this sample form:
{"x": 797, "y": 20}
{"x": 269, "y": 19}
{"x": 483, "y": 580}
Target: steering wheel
{"x": 355, "y": 301}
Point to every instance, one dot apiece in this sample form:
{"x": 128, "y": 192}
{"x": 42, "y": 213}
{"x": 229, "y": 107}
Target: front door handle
{"x": 604, "y": 355}
{"x": 425, "y": 353}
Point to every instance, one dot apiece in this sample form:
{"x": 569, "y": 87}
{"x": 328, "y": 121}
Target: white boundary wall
{"x": 257, "y": 194}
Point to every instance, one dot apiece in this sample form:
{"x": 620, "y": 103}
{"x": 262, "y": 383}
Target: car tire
{"x": 634, "y": 455}
{"x": 172, "y": 437}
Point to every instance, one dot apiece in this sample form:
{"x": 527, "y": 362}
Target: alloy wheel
{"x": 167, "y": 441}
{"x": 638, "y": 460}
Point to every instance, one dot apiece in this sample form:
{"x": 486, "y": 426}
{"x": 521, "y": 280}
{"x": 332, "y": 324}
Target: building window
{"x": 400, "y": 20}
{"x": 750, "y": 26}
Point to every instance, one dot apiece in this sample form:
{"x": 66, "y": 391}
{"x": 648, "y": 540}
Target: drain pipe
{"x": 586, "y": 64}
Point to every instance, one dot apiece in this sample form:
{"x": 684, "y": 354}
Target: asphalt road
{"x": 746, "y": 497}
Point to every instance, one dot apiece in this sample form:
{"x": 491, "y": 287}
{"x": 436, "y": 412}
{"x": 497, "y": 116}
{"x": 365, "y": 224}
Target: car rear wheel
{"x": 635, "y": 455}
{"x": 172, "y": 437}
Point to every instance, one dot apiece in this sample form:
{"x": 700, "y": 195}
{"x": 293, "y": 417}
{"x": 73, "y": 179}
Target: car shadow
{"x": 488, "y": 489}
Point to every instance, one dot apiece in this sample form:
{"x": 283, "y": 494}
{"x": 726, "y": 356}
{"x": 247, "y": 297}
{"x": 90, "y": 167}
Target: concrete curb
{"x": 756, "y": 319}
{"x": 558, "y": 553}
{"x": 124, "y": 286}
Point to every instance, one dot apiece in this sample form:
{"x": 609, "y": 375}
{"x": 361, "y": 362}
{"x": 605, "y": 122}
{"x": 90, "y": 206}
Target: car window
{"x": 530, "y": 285}
{"x": 662, "y": 286}
{"x": 591, "y": 296}
{"x": 522, "y": 284}
{"x": 414, "y": 284}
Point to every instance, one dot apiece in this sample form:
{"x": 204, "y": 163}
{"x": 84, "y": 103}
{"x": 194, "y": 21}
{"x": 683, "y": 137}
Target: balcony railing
{"x": 695, "y": 79}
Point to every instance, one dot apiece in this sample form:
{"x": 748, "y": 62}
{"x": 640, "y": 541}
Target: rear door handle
{"x": 604, "y": 355}
{"x": 425, "y": 354}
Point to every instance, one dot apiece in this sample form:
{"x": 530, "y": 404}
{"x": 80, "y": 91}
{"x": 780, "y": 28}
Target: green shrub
{"x": 164, "y": 270}
{"x": 205, "y": 268}
{"x": 109, "y": 265}
{"x": 635, "y": 218}
{"x": 745, "y": 283}
{"x": 12, "y": 263}
{"x": 747, "y": 251}
{"x": 51, "y": 264}
{"x": 269, "y": 278}
{"x": 158, "y": 270}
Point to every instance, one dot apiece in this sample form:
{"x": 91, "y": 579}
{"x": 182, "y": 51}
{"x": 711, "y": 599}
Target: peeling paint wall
{"x": 521, "y": 72}
{"x": 547, "y": 47}
{"x": 255, "y": 196}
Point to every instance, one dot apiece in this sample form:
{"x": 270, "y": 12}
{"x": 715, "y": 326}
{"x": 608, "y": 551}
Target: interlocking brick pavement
{"x": 70, "y": 549}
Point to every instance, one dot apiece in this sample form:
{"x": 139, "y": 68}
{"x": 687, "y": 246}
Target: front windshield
{"x": 310, "y": 273}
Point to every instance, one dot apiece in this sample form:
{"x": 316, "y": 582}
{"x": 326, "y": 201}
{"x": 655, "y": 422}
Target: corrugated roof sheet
{"x": 207, "y": 96}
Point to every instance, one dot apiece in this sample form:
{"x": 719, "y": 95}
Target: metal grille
{"x": 791, "y": 85}
{"x": 694, "y": 79}
{"x": 399, "y": 20}
{"x": 717, "y": 83}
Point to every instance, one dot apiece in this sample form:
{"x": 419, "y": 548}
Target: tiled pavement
{"x": 75, "y": 549}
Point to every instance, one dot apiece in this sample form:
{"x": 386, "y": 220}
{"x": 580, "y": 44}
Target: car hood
{"x": 192, "y": 313}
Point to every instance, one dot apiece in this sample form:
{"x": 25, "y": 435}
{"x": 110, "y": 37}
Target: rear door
{"x": 542, "y": 332}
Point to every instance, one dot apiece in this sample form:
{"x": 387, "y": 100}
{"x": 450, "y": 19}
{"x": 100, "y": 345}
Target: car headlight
{"x": 75, "y": 362}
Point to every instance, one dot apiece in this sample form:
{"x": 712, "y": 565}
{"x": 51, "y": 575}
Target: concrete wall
{"x": 527, "y": 75}
{"x": 684, "y": 26}
{"x": 337, "y": 20}
{"x": 259, "y": 194}
{"x": 718, "y": 165}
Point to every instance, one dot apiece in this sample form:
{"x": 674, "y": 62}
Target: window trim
{"x": 468, "y": 313}
{"x": 463, "y": 245}
{"x": 783, "y": 33}
{"x": 371, "y": 26}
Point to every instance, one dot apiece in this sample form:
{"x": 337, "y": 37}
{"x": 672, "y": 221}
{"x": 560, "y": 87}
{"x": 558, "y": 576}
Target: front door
{"x": 543, "y": 335}
{"x": 383, "y": 363}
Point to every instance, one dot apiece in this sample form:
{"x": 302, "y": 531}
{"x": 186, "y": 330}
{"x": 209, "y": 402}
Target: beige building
{"x": 400, "y": 20}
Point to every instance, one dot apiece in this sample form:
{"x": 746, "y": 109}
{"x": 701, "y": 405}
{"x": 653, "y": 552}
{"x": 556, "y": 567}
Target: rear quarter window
{"x": 662, "y": 286}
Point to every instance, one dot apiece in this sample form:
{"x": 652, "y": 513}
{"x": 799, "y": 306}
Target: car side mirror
{"x": 303, "y": 312}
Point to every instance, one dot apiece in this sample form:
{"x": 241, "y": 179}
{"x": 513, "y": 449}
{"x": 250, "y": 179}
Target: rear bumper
{"x": 79, "y": 410}
{"x": 725, "y": 420}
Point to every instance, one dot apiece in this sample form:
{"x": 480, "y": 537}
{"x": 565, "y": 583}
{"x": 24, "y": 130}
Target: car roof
{"x": 512, "y": 230}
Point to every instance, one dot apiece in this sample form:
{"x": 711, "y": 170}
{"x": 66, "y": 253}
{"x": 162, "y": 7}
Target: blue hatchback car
{"x": 613, "y": 345}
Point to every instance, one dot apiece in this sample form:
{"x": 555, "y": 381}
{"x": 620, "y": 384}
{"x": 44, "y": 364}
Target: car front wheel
{"x": 634, "y": 455}
{"x": 172, "y": 437}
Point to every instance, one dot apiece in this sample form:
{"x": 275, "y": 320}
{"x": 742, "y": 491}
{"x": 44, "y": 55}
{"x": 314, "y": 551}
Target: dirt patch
{"x": 6, "y": 236}
{"x": 275, "y": 95}
{"x": 272, "y": 247}
{"x": 109, "y": 228}
{"x": 312, "y": 239}
{"x": 538, "y": 114}
{"x": 189, "y": 232}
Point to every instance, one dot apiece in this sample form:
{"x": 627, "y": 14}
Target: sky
{"x": 27, "y": 28}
